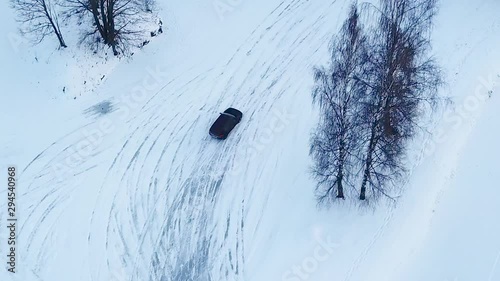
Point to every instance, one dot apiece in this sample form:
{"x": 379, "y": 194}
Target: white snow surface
{"x": 119, "y": 180}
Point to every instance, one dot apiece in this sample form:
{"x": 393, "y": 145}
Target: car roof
{"x": 223, "y": 124}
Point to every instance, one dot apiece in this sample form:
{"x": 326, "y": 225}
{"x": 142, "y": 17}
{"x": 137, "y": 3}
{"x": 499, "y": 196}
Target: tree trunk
{"x": 362, "y": 194}
{"x": 368, "y": 162}
{"x": 62, "y": 44}
{"x": 340, "y": 175}
{"x": 111, "y": 26}
{"x": 58, "y": 33}
{"x": 340, "y": 188}
{"x": 104, "y": 22}
{"x": 95, "y": 14}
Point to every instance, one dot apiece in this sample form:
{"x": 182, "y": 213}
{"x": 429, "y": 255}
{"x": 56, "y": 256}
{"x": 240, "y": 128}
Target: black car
{"x": 225, "y": 123}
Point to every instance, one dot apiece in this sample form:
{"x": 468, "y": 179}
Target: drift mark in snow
{"x": 167, "y": 202}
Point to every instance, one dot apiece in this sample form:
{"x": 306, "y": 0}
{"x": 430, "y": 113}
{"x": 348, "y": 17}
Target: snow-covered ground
{"x": 119, "y": 179}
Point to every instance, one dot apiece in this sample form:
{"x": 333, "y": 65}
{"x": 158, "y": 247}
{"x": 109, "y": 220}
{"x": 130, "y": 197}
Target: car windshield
{"x": 228, "y": 114}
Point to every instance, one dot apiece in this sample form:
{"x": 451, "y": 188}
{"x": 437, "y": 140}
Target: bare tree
{"x": 149, "y": 5}
{"x": 337, "y": 93}
{"x": 39, "y": 19}
{"x": 402, "y": 80}
{"x": 114, "y": 21}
